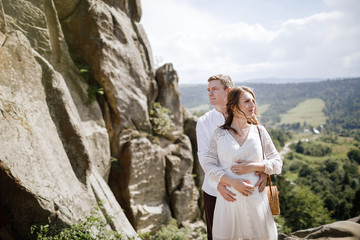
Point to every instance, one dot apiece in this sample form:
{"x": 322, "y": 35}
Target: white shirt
{"x": 205, "y": 128}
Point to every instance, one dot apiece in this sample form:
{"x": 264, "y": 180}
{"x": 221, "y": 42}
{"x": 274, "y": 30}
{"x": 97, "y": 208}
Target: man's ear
{"x": 228, "y": 90}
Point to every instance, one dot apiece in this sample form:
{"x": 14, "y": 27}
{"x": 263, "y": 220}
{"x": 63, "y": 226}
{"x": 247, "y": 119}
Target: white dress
{"x": 248, "y": 217}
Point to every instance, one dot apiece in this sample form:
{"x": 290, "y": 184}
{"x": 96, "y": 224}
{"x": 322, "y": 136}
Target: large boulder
{"x": 118, "y": 53}
{"x": 337, "y": 230}
{"x": 55, "y": 153}
{"x": 152, "y": 180}
{"x": 35, "y": 164}
{"x": 190, "y": 130}
{"x": 39, "y": 23}
{"x": 137, "y": 180}
{"x": 180, "y": 182}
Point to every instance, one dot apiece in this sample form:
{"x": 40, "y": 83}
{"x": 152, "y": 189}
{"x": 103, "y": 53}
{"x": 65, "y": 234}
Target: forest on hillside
{"x": 341, "y": 97}
{"x": 320, "y": 179}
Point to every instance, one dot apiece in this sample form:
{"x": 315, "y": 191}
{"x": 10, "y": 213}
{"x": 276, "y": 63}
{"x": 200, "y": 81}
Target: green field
{"x": 263, "y": 108}
{"x": 309, "y": 111}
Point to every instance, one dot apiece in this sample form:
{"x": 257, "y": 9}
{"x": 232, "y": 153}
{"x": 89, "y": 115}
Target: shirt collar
{"x": 218, "y": 113}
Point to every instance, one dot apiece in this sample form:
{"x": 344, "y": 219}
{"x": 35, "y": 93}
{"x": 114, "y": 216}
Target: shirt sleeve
{"x": 272, "y": 161}
{"x": 203, "y": 139}
{"x": 211, "y": 160}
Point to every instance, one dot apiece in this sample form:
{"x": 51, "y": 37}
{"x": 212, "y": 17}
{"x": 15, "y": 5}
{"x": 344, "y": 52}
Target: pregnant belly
{"x": 251, "y": 177}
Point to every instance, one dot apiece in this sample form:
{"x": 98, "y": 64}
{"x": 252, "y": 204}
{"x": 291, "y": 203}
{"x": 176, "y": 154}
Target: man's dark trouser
{"x": 209, "y": 206}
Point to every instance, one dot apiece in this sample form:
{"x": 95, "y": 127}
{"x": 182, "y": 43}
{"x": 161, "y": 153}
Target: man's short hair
{"x": 224, "y": 79}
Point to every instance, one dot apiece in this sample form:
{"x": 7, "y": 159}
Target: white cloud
{"x": 352, "y": 60}
{"x": 200, "y": 44}
{"x": 320, "y": 17}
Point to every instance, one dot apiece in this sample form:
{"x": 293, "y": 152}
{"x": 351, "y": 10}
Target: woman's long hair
{"x": 233, "y": 100}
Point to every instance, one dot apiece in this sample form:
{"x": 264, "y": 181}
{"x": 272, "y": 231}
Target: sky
{"x": 255, "y": 39}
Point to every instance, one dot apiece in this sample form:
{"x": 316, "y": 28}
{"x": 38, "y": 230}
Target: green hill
{"x": 341, "y": 100}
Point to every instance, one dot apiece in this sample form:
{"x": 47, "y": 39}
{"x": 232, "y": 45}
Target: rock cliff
{"x": 77, "y": 86}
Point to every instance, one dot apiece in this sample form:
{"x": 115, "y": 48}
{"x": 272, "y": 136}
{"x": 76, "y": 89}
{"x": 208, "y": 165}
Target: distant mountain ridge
{"x": 274, "y": 80}
{"x": 340, "y": 96}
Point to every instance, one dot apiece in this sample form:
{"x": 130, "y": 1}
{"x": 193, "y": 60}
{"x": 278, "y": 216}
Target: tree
{"x": 356, "y": 203}
{"x": 305, "y": 209}
{"x": 354, "y": 154}
{"x": 305, "y": 170}
{"x": 299, "y": 147}
{"x": 331, "y": 165}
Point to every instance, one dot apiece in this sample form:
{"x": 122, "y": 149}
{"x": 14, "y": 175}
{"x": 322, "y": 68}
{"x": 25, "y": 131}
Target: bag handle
{"x": 269, "y": 178}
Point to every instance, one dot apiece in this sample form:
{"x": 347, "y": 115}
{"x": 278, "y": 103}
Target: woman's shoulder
{"x": 259, "y": 126}
{"x": 263, "y": 131}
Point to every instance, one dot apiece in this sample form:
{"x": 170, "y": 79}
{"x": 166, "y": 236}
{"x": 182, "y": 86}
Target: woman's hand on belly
{"x": 244, "y": 167}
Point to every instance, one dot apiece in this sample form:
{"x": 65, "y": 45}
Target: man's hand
{"x": 225, "y": 192}
{"x": 262, "y": 181}
{"x": 243, "y": 186}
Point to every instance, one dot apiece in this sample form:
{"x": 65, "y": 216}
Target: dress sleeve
{"x": 211, "y": 162}
{"x": 272, "y": 161}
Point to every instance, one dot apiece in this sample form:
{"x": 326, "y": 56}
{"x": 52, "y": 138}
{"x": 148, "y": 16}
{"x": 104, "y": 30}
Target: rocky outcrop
{"x": 121, "y": 63}
{"x": 55, "y": 154}
{"x": 153, "y": 181}
{"x": 180, "y": 183}
{"x": 169, "y": 97}
{"x": 138, "y": 182}
{"x": 349, "y": 229}
{"x": 57, "y": 148}
{"x": 152, "y": 177}
{"x": 198, "y": 173}
{"x": 36, "y": 166}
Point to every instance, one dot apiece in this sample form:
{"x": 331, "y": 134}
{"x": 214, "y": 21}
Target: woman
{"x": 238, "y": 141}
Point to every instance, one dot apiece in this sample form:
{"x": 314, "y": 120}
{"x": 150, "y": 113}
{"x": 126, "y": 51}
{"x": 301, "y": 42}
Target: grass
{"x": 173, "y": 232}
{"x": 263, "y": 108}
{"x": 309, "y": 111}
{"x": 95, "y": 226}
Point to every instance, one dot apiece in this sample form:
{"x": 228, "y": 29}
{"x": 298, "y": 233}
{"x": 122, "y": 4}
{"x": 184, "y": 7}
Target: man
{"x": 218, "y": 88}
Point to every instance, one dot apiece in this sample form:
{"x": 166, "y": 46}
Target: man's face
{"x": 217, "y": 93}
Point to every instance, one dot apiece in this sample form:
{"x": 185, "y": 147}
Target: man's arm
{"x": 203, "y": 140}
{"x": 225, "y": 192}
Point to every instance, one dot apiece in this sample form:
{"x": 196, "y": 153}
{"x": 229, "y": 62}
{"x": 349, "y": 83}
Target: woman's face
{"x": 246, "y": 105}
